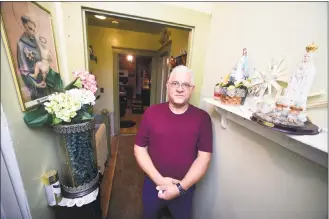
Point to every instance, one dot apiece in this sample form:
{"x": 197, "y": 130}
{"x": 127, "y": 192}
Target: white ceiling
{"x": 205, "y": 7}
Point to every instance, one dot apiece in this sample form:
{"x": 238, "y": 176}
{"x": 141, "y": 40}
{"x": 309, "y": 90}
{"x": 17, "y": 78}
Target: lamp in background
{"x": 100, "y": 17}
{"x": 130, "y": 58}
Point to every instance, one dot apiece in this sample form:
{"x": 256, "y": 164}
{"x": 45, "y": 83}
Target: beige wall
{"x": 179, "y": 39}
{"x": 250, "y": 176}
{"x": 102, "y": 39}
{"x": 35, "y": 149}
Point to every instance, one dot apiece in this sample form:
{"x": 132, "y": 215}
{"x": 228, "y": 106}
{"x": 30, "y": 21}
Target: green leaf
{"x": 78, "y": 83}
{"x": 54, "y": 81}
{"x": 90, "y": 110}
{"x": 37, "y": 117}
{"x": 283, "y": 84}
{"x": 86, "y": 116}
{"x": 70, "y": 85}
{"x": 56, "y": 120}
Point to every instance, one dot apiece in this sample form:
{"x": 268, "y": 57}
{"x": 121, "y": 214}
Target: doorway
{"x": 142, "y": 82}
{"x": 117, "y": 36}
{"x": 134, "y": 90}
{"x": 134, "y": 59}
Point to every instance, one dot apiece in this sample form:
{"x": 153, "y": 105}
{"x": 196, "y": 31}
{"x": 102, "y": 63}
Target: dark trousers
{"x": 180, "y": 207}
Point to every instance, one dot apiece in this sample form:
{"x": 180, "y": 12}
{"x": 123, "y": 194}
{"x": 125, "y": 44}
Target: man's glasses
{"x": 176, "y": 84}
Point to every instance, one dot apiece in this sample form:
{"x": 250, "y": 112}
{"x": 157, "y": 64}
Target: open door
{"x": 160, "y": 72}
{"x": 116, "y": 93}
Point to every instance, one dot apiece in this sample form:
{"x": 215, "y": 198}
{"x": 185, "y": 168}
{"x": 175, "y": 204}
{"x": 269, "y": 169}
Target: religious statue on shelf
{"x": 240, "y": 71}
{"x": 289, "y": 111}
{"x": 233, "y": 88}
{"x": 302, "y": 79}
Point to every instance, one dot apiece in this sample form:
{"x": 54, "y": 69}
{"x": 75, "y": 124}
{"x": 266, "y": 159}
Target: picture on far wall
{"x": 27, "y": 31}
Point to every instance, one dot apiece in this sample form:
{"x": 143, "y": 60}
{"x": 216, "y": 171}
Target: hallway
{"x": 126, "y": 196}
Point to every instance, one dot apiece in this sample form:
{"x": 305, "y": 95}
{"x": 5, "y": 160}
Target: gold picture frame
{"x": 28, "y": 34}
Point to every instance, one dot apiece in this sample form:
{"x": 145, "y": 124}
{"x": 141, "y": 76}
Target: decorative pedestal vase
{"x": 78, "y": 173}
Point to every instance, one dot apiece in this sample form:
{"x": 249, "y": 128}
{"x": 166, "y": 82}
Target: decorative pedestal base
{"x": 80, "y": 191}
{"x": 70, "y": 209}
{"x": 84, "y": 200}
{"x": 308, "y": 129}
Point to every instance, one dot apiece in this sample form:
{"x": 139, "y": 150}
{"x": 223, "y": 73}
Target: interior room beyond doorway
{"x": 134, "y": 90}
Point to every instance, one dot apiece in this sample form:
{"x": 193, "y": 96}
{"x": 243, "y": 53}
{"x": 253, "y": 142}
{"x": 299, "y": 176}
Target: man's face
{"x": 30, "y": 29}
{"x": 179, "y": 88}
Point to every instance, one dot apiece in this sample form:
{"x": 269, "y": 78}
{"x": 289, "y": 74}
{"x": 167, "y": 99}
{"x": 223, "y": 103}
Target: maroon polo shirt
{"x": 174, "y": 140}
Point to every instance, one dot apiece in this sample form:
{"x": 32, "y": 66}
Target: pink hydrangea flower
{"x": 88, "y": 80}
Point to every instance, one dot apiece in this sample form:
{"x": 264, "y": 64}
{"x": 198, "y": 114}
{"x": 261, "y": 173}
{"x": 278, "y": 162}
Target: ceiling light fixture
{"x": 115, "y": 22}
{"x": 100, "y": 17}
{"x": 130, "y": 58}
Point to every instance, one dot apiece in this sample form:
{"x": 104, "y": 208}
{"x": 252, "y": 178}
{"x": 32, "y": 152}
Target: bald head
{"x": 180, "y": 86}
{"x": 180, "y": 71}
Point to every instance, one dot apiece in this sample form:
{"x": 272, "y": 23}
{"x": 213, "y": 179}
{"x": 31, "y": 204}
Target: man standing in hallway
{"x": 173, "y": 147}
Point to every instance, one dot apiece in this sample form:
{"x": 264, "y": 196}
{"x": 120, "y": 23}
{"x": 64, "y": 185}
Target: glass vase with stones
{"x": 78, "y": 172}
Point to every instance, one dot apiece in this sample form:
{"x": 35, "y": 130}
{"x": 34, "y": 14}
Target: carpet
{"x": 126, "y": 197}
{"x": 127, "y": 123}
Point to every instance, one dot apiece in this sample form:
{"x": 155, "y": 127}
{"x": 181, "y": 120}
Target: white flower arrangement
{"x": 82, "y": 95}
{"x": 70, "y": 105}
{"x": 63, "y": 106}
{"x": 74, "y": 104}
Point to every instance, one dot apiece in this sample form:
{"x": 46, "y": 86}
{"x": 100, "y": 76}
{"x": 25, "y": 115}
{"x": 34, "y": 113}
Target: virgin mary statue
{"x": 302, "y": 79}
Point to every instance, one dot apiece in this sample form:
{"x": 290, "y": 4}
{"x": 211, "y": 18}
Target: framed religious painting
{"x": 28, "y": 36}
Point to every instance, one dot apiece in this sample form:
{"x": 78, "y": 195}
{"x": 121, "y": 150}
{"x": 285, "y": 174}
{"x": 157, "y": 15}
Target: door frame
{"x": 160, "y": 94}
{"x": 135, "y": 18}
{"x": 16, "y": 204}
{"x": 116, "y": 102}
{"x": 116, "y": 105}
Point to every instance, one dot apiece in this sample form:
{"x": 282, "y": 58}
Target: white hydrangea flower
{"x": 84, "y": 96}
{"x": 63, "y": 105}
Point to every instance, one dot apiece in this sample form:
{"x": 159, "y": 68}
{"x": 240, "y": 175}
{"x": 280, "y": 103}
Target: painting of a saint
{"x": 28, "y": 36}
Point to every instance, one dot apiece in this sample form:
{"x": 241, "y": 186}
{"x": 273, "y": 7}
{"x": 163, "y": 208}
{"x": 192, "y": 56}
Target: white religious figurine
{"x": 290, "y": 109}
{"x": 240, "y": 72}
{"x": 301, "y": 80}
